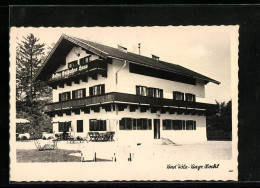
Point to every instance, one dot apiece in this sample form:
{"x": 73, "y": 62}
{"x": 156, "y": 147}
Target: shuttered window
{"x": 73, "y": 64}
{"x": 149, "y": 91}
{"x": 97, "y": 90}
{"x": 80, "y": 93}
{"x": 85, "y": 60}
{"x": 64, "y": 96}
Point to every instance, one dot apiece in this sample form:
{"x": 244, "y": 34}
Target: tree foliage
{"x": 221, "y": 123}
{"x": 31, "y": 95}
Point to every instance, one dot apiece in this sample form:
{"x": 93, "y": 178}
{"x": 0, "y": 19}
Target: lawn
{"x": 59, "y": 155}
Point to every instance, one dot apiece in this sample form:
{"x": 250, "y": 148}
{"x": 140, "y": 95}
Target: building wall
{"x": 127, "y": 83}
{"x": 109, "y": 86}
{"x": 136, "y": 136}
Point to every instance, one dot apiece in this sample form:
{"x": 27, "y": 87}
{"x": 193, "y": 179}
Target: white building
{"x": 97, "y": 88}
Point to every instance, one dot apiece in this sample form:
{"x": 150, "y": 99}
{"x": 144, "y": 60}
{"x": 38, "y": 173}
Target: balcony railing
{"x": 96, "y": 64}
{"x": 127, "y": 98}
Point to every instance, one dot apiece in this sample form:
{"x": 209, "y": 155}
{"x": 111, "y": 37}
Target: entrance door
{"x": 156, "y": 128}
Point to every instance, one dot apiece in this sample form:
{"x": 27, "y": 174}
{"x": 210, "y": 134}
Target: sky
{"x": 203, "y": 49}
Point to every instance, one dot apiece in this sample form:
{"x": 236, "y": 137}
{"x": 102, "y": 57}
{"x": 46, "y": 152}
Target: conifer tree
{"x": 31, "y": 95}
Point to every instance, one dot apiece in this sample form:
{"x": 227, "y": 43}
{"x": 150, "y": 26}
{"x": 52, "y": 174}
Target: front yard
{"x": 210, "y": 150}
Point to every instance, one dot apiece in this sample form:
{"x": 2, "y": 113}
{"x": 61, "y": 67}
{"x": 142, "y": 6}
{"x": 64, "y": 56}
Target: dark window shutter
{"x": 174, "y": 95}
{"x": 161, "y": 93}
{"x": 75, "y": 63}
{"x": 105, "y": 125}
{"x": 182, "y": 96}
{"x": 137, "y": 90}
{"x": 194, "y": 125}
{"x": 68, "y": 93}
{"x": 183, "y": 124}
{"x": 194, "y": 98}
{"x": 84, "y": 92}
{"x": 60, "y": 97}
{"x": 91, "y": 91}
{"x": 149, "y": 124}
{"x": 186, "y": 96}
{"x": 81, "y": 61}
{"x": 73, "y": 94}
{"x": 102, "y": 88}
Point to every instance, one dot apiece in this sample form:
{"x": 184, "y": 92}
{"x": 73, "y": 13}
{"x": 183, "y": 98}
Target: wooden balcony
{"x": 134, "y": 100}
{"x": 91, "y": 69}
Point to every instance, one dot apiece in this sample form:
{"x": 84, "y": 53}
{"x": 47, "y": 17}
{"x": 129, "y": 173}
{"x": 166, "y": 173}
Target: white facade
{"x": 127, "y": 84}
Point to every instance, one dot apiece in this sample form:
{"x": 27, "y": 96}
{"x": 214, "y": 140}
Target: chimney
{"x": 155, "y": 57}
{"x": 121, "y": 48}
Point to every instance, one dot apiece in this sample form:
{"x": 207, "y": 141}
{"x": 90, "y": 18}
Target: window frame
{"x": 73, "y": 64}
{"x": 175, "y": 96}
{"x": 75, "y": 93}
{"x": 65, "y": 96}
{"x": 129, "y": 124}
{"x": 97, "y": 90}
{"x": 149, "y": 91}
{"x": 100, "y": 125}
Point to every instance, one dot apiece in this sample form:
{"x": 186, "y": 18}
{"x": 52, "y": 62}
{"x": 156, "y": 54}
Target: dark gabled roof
{"x": 107, "y": 51}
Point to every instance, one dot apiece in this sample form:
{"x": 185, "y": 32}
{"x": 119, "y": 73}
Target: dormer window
{"x": 73, "y": 64}
{"x": 190, "y": 97}
{"x": 178, "y": 96}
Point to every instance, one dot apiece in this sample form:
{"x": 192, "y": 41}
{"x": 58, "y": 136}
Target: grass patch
{"x": 58, "y": 155}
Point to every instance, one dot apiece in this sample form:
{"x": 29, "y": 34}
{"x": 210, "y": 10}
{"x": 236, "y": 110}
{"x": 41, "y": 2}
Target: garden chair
{"x": 107, "y": 136}
{"x": 91, "y": 136}
{"x": 96, "y": 136}
{"x": 41, "y": 147}
{"x": 111, "y": 136}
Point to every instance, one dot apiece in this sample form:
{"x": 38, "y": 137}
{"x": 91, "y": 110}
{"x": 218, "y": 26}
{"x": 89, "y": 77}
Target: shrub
{"x": 24, "y": 138}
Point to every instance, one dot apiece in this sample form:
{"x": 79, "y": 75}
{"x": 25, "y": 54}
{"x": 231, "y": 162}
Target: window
{"x": 80, "y": 93}
{"x": 178, "y": 96}
{"x": 79, "y": 126}
{"x": 73, "y": 64}
{"x": 97, "y": 90}
{"x": 149, "y": 91}
{"x": 135, "y": 124}
{"x": 64, "y": 126}
{"x": 177, "y": 124}
{"x": 97, "y": 125}
{"x": 126, "y": 124}
{"x": 189, "y": 97}
{"x": 84, "y": 60}
{"x": 167, "y": 124}
{"x": 190, "y": 125}
{"x": 64, "y": 96}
